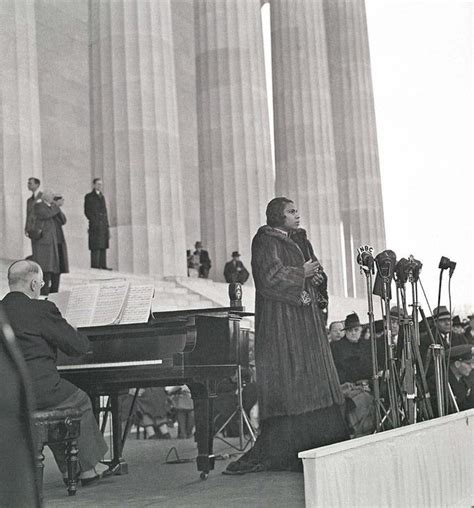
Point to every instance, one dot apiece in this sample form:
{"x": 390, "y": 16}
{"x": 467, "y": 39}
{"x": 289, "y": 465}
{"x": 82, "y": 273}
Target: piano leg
{"x": 203, "y": 398}
{"x": 117, "y": 437}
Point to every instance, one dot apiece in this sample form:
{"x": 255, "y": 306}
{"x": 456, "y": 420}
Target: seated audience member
{"x": 353, "y": 361}
{"x": 235, "y": 271}
{"x": 457, "y": 325}
{"x": 184, "y": 410}
{"x": 441, "y": 328}
{"x": 150, "y": 411}
{"x": 336, "y": 331}
{"x": 41, "y": 332}
{"x": 469, "y": 331}
{"x": 461, "y": 364}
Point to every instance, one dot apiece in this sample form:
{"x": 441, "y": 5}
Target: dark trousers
{"x": 91, "y": 444}
{"x": 99, "y": 258}
{"x": 185, "y": 418}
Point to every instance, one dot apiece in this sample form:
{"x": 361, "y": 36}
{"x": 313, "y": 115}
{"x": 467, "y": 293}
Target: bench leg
{"x": 72, "y": 467}
{"x": 40, "y": 470}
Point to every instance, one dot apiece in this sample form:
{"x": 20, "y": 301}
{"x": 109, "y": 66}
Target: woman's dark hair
{"x": 274, "y": 211}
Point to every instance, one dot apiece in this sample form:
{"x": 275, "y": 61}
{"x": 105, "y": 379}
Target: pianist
{"x": 41, "y": 331}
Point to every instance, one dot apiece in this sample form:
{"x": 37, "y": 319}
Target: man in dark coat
{"x": 204, "y": 260}
{"x": 441, "y": 331}
{"x": 59, "y": 221}
{"x": 33, "y": 186}
{"x": 45, "y": 247}
{"x": 353, "y": 360}
{"x": 299, "y": 397}
{"x": 235, "y": 271}
{"x": 41, "y": 332}
{"x": 461, "y": 365}
{"x": 95, "y": 210}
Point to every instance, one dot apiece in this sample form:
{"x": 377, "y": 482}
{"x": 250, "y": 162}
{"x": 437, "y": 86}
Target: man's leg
{"x": 91, "y": 444}
{"x": 47, "y": 276}
{"x": 102, "y": 259}
{"x": 55, "y": 282}
{"x": 95, "y": 258}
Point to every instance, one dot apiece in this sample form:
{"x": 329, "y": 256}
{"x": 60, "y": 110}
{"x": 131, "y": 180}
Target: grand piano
{"x": 195, "y": 347}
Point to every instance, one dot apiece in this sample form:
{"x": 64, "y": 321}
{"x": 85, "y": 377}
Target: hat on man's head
{"x": 351, "y": 321}
{"x": 395, "y": 312}
{"x": 457, "y": 321}
{"x": 235, "y": 254}
{"x": 461, "y": 353}
{"x": 441, "y": 312}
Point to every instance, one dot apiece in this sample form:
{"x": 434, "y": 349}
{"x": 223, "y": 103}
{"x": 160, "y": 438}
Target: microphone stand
{"x": 379, "y": 407}
{"x": 392, "y": 373}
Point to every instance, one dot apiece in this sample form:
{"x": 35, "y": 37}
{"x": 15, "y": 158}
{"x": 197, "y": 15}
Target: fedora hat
{"x": 351, "y": 321}
{"x": 235, "y": 254}
{"x": 395, "y": 312}
{"x": 457, "y": 321}
{"x": 461, "y": 353}
{"x": 441, "y": 312}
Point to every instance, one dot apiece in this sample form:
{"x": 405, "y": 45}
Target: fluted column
{"x": 304, "y": 144}
{"x": 135, "y": 139}
{"x": 235, "y": 165}
{"x": 20, "y": 140}
{"x": 355, "y": 136}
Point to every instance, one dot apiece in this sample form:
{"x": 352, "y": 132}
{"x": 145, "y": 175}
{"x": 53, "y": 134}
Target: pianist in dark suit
{"x": 299, "y": 397}
{"x": 41, "y": 331}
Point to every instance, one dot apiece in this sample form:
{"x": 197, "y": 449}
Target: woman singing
{"x": 300, "y": 402}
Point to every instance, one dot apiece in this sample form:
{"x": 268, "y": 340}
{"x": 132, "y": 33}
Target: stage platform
{"x": 152, "y": 483}
{"x": 428, "y": 464}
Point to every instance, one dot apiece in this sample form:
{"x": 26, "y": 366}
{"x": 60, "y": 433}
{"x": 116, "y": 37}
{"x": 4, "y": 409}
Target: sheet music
{"x": 61, "y": 300}
{"x": 82, "y": 301}
{"x": 110, "y": 300}
{"x": 137, "y": 305}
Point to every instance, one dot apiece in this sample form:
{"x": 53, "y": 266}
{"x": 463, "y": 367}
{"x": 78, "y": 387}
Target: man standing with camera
{"x": 45, "y": 245}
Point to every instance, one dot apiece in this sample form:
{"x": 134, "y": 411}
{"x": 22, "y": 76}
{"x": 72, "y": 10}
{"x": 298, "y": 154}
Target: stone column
{"x": 304, "y": 144}
{"x": 20, "y": 139}
{"x": 236, "y": 180}
{"x": 355, "y": 136}
{"x": 135, "y": 134}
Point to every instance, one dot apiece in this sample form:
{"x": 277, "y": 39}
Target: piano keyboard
{"x": 142, "y": 363}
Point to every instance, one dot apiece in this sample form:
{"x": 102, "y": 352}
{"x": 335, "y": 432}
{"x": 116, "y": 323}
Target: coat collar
{"x": 275, "y": 233}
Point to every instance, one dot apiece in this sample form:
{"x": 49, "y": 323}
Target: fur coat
{"x": 295, "y": 369}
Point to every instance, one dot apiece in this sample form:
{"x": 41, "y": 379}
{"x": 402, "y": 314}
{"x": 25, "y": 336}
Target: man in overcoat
{"x": 33, "y": 187}
{"x": 235, "y": 271}
{"x": 59, "y": 221}
{"x": 45, "y": 246}
{"x": 95, "y": 210}
{"x": 204, "y": 260}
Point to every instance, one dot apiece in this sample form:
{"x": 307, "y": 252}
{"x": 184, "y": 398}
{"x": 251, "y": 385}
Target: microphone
{"x": 445, "y": 264}
{"x": 385, "y": 261}
{"x": 365, "y": 258}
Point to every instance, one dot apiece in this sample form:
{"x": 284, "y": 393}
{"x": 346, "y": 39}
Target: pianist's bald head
{"x": 26, "y": 277}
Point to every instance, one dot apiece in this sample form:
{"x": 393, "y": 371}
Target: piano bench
{"x": 54, "y": 427}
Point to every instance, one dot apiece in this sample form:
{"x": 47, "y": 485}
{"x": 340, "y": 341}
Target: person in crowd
{"x": 41, "y": 332}
{"x": 457, "y": 326}
{"x": 234, "y": 270}
{"x": 202, "y": 257}
{"x": 33, "y": 187}
{"x": 59, "y": 221}
{"x": 95, "y": 209}
{"x": 45, "y": 246}
{"x": 184, "y": 410}
{"x": 150, "y": 411}
{"x": 365, "y": 334}
{"x": 441, "y": 331}
{"x": 299, "y": 397}
{"x": 336, "y": 331}
{"x": 353, "y": 360}
{"x": 461, "y": 365}
{"x": 469, "y": 331}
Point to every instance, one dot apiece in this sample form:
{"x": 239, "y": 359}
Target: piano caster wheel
{"x": 204, "y": 475}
